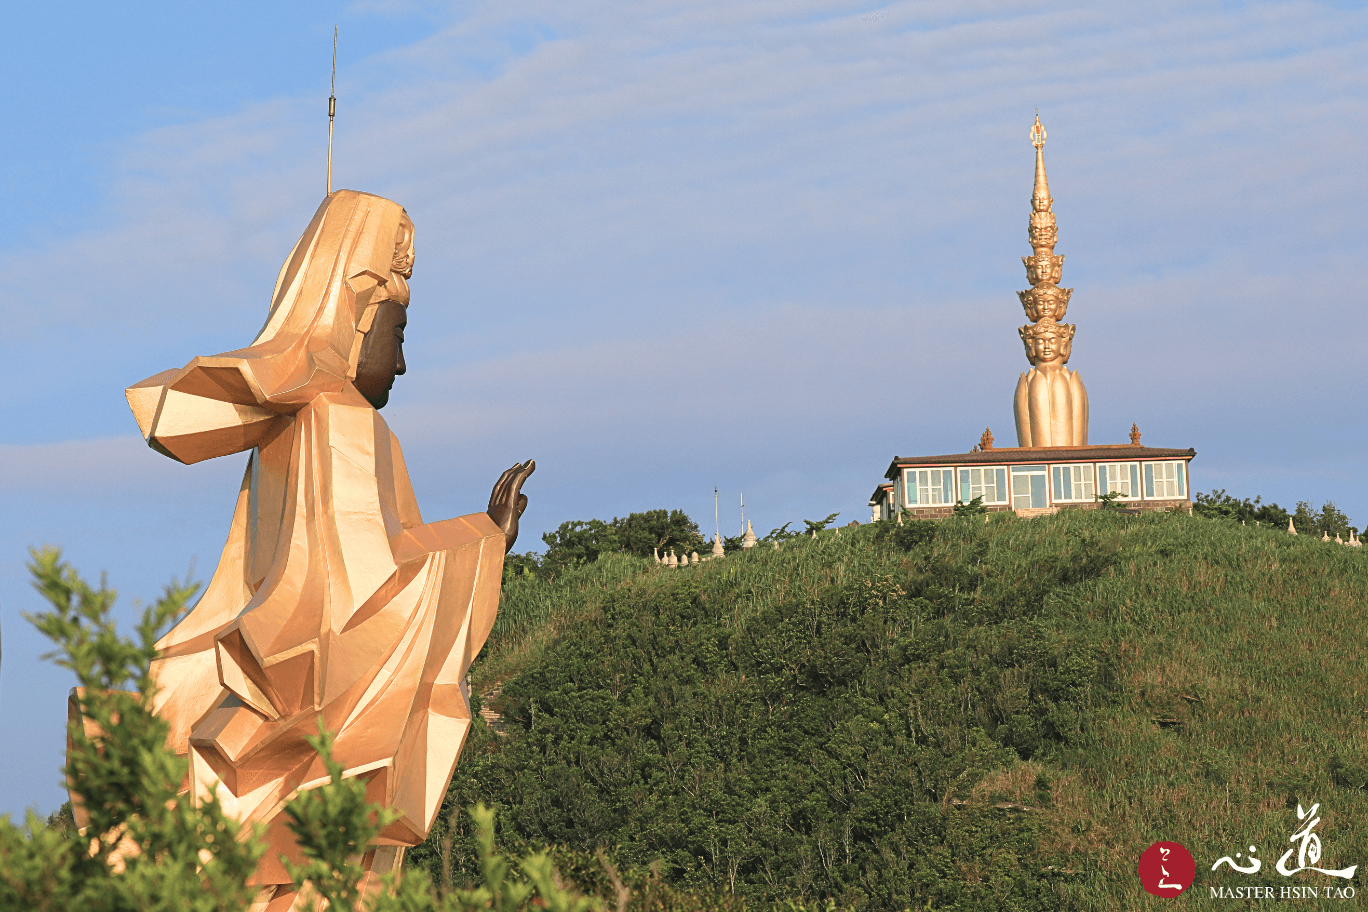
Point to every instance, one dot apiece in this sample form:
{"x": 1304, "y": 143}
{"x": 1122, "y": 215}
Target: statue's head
{"x": 1048, "y": 344}
{"x": 1045, "y": 302}
{"x": 342, "y": 292}
{"x": 1043, "y": 268}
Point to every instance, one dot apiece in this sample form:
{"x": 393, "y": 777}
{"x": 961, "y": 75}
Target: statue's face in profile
{"x": 382, "y": 353}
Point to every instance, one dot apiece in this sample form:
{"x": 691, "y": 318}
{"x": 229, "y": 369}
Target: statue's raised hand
{"x": 507, "y": 502}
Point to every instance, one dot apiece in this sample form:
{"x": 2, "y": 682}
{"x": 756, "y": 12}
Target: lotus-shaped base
{"x": 1051, "y": 408}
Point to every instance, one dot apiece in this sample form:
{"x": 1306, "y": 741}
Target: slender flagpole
{"x": 332, "y": 109}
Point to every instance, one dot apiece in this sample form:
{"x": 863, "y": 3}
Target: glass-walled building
{"x": 1032, "y": 479}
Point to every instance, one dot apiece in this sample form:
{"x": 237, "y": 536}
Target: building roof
{"x": 881, "y": 488}
{"x": 1022, "y": 455}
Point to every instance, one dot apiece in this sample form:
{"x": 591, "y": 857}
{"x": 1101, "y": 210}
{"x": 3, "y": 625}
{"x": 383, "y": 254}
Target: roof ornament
{"x": 986, "y": 441}
{"x": 1135, "y": 434}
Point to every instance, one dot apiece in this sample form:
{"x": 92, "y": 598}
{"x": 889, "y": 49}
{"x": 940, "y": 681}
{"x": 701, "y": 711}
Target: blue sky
{"x": 666, "y": 246}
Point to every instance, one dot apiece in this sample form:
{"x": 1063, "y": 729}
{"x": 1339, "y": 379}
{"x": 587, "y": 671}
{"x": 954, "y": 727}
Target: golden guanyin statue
{"x": 1051, "y": 405}
{"x": 333, "y": 598}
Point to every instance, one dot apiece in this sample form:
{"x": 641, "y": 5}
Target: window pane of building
{"x": 1083, "y": 483}
{"x": 1073, "y": 483}
{"x": 1165, "y": 480}
{"x": 930, "y": 487}
{"x": 1030, "y": 488}
{"x": 1119, "y": 478}
{"x": 987, "y": 483}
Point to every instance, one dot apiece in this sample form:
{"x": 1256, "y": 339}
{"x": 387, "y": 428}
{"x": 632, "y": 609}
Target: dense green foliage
{"x": 577, "y": 543}
{"x": 1220, "y": 505}
{"x": 960, "y": 714}
{"x": 146, "y": 848}
{"x": 1328, "y": 520}
{"x": 807, "y": 720}
{"x": 126, "y": 779}
{"x": 970, "y": 714}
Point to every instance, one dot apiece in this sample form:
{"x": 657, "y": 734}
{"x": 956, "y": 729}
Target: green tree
{"x": 1220, "y": 505}
{"x": 641, "y": 533}
{"x": 819, "y": 525}
{"x": 974, "y": 507}
{"x": 526, "y": 564}
{"x": 1328, "y": 520}
{"x": 783, "y": 533}
{"x": 143, "y": 847}
{"x": 576, "y": 543}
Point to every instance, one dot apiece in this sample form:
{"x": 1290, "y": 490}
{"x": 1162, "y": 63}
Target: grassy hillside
{"x": 996, "y": 715}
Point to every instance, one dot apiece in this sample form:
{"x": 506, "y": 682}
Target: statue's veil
{"x": 345, "y": 263}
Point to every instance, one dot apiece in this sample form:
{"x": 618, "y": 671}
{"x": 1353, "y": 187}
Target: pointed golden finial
{"x": 1043, "y": 232}
{"x": 1044, "y": 301}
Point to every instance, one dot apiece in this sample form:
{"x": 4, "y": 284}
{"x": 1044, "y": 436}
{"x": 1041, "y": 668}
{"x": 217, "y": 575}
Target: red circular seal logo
{"x": 1166, "y": 869}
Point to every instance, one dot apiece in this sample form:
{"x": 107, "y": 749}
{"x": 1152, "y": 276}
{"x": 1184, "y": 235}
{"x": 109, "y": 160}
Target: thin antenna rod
{"x": 332, "y": 109}
{"x": 717, "y": 523}
{"x": 743, "y": 514}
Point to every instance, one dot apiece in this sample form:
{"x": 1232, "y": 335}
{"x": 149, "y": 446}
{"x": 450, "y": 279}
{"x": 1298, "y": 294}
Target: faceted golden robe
{"x": 332, "y": 598}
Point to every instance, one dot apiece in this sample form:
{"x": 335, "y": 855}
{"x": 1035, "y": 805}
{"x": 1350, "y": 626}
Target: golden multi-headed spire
{"x": 1048, "y": 342}
{"x": 1045, "y": 300}
{"x": 1043, "y": 231}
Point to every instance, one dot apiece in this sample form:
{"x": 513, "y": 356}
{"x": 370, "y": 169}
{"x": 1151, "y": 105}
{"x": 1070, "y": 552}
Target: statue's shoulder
{"x": 350, "y": 420}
